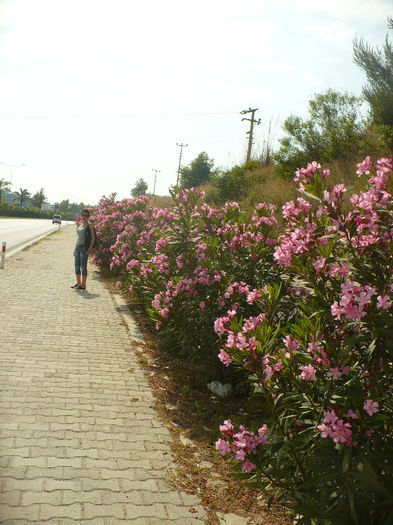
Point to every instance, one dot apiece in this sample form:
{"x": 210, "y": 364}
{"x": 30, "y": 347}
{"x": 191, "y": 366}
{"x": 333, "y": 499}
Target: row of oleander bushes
{"x": 301, "y": 304}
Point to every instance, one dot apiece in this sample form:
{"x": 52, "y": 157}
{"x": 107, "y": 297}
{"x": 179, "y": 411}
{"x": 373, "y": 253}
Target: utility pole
{"x": 249, "y": 133}
{"x": 155, "y": 178}
{"x": 181, "y": 152}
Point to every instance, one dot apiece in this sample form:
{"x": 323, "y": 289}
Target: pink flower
{"x": 223, "y": 446}
{"x": 351, "y": 414}
{"x": 324, "y": 430}
{"x": 219, "y": 325}
{"x": 336, "y": 429}
{"x": 224, "y": 357}
{"x": 330, "y": 417}
{"x": 252, "y": 296}
{"x": 320, "y": 264}
{"x": 263, "y": 430}
{"x": 365, "y": 167}
{"x": 227, "y": 428}
{"x": 248, "y": 467}
{"x": 384, "y": 302}
{"x": 371, "y": 407}
{"x": 308, "y": 373}
{"x": 291, "y": 343}
{"x": 268, "y": 371}
{"x": 164, "y": 312}
{"x": 334, "y": 373}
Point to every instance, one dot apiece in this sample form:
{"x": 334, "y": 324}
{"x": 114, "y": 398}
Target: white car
{"x": 56, "y": 219}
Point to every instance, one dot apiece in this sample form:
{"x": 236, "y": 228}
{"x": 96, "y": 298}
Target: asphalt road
{"x": 19, "y": 233}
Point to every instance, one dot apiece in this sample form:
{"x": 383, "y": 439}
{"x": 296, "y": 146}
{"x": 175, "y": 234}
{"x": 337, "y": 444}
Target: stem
{"x": 348, "y": 486}
{"x": 290, "y": 449}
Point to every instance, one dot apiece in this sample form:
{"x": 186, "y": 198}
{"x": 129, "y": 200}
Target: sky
{"x": 95, "y": 94}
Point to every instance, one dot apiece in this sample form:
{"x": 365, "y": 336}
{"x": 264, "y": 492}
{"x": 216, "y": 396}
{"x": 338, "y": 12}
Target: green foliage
{"x": 7, "y": 210}
{"x": 4, "y": 185}
{"x": 198, "y": 172}
{"x": 22, "y": 194}
{"x": 69, "y": 209}
{"x": 139, "y": 189}
{"x": 317, "y": 372}
{"x": 39, "y": 198}
{"x": 232, "y": 184}
{"x": 378, "y": 66}
{"x": 332, "y": 132}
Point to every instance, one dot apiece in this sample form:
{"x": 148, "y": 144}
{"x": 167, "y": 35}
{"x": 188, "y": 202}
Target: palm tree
{"x": 39, "y": 198}
{"x": 22, "y": 195}
{"x": 4, "y": 185}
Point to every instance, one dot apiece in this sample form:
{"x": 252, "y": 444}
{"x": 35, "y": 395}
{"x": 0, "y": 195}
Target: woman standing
{"x": 83, "y": 248}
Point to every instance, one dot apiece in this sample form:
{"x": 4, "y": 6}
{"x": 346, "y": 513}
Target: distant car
{"x": 56, "y": 219}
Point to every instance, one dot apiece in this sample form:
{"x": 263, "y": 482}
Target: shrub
{"x": 305, "y": 316}
{"x": 324, "y": 376}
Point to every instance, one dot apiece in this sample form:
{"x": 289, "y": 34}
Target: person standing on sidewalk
{"x": 83, "y": 248}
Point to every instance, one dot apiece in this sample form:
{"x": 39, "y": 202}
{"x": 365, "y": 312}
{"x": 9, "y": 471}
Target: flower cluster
{"x": 242, "y": 444}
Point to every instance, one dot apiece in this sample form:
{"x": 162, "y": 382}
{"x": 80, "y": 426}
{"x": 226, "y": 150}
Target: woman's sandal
{"x": 80, "y": 287}
{"x": 75, "y": 286}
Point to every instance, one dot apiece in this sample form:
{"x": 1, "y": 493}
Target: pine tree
{"x": 378, "y": 66}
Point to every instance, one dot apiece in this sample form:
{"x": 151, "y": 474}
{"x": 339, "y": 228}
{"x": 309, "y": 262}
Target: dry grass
{"x": 267, "y": 187}
{"x": 161, "y": 201}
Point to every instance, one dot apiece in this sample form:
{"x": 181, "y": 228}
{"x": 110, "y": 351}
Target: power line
{"x": 114, "y": 116}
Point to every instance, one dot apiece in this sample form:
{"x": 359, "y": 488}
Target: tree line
{"x": 34, "y": 203}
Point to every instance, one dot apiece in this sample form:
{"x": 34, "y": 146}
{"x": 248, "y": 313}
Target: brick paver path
{"x": 79, "y": 439}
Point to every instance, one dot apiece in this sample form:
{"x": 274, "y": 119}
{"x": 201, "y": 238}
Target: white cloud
{"x": 332, "y": 32}
{"x": 345, "y": 10}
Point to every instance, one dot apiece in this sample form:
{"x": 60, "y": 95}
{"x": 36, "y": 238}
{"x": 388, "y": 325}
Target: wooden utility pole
{"x": 181, "y": 152}
{"x": 155, "y": 178}
{"x": 250, "y": 133}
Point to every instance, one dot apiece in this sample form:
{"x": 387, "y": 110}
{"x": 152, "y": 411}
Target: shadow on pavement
{"x": 87, "y": 295}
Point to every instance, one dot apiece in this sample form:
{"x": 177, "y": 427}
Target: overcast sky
{"x": 96, "y": 93}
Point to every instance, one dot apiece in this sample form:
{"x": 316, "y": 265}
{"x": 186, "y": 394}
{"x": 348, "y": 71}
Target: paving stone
{"x": 79, "y": 438}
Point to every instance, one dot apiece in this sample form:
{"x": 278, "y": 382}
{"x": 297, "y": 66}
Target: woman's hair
{"x": 86, "y": 212}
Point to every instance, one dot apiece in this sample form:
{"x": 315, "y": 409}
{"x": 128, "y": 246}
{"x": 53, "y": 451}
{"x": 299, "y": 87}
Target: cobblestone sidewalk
{"x": 79, "y": 439}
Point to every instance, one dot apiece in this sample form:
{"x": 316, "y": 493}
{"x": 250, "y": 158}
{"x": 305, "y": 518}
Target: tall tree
{"x": 64, "y": 206}
{"x": 332, "y": 131}
{"x": 4, "y": 186}
{"x": 378, "y": 66}
{"x": 39, "y": 198}
{"x": 139, "y": 189}
{"x": 22, "y": 195}
{"x": 197, "y": 172}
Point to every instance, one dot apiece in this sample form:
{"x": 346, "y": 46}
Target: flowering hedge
{"x": 189, "y": 265}
{"x": 306, "y": 315}
{"x": 325, "y": 377}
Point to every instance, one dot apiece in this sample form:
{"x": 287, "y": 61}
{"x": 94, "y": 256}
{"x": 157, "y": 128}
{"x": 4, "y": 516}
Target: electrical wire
{"x": 114, "y": 116}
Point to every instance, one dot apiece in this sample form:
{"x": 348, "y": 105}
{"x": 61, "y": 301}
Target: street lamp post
{"x": 12, "y": 166}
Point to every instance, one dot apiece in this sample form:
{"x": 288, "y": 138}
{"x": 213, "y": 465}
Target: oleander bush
{"x": 303, "y": 312}
{"x": 325, "y": 377}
